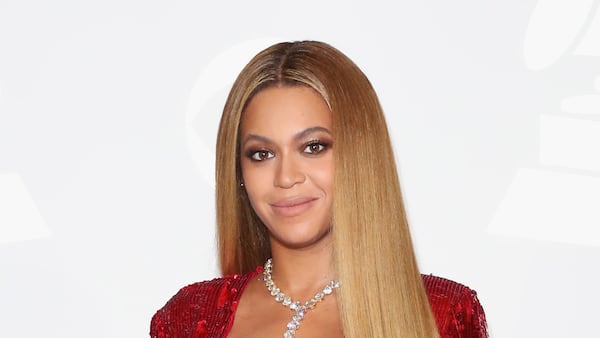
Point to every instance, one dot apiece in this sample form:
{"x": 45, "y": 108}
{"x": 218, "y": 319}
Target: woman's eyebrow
{"x": 255, "y": 137}
{"x": 299, "y": 135}
{"x": 311, "y": 130}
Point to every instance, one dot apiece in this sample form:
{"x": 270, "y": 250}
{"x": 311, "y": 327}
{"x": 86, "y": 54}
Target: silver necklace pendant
{"x": 298, "y": 308}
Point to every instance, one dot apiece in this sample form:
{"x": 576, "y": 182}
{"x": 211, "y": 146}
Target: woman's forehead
{"x": 285, "y": 110}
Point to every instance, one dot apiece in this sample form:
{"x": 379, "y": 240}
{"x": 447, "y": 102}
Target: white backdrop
{"x": 108, "y": 117}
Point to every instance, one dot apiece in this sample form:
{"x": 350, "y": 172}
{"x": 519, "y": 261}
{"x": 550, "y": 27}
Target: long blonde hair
{"x": 382, "y": 293}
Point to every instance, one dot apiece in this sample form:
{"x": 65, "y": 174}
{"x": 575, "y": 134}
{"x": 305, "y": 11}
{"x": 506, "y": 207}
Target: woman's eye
{"x": 314, "y": 147}
{"x": 261, "y": 155}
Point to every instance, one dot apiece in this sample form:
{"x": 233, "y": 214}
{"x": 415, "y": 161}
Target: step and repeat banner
{"x": 108, "y": 119}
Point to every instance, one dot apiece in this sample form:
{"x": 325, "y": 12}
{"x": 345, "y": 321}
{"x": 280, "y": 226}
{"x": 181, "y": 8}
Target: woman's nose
{"x": 289, "y": 172}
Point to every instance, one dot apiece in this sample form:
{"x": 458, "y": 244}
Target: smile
{"x": 293, "y": 207}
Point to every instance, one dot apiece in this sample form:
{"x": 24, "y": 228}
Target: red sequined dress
{"x": 207, "y": 309}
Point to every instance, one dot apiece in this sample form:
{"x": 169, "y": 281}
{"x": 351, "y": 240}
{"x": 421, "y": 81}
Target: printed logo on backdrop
{"x": 208, "y": 97}
{"x": 20, "y": 219}
{"x": 559, "y": 200}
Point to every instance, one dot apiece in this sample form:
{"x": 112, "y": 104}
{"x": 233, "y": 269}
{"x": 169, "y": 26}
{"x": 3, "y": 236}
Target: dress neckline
{"x": 249, "y": 275}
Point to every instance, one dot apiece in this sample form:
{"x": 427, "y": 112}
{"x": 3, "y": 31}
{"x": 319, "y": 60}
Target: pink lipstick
{"x": 290, "y": 207}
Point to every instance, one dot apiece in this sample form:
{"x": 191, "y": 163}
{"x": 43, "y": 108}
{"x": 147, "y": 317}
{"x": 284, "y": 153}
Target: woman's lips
{"x": 293, "y": 206}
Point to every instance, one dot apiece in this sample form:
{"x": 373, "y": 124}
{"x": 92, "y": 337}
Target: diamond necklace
{"x": 298, "y": 308}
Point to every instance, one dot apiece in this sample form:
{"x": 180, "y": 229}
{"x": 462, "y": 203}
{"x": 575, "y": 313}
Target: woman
{"x": 302, "y": 124}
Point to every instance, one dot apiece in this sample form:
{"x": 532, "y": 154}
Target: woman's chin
{"x": 302, "y": 240}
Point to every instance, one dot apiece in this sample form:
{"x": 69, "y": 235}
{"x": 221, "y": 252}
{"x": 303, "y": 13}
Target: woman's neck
{"x": 300, "y": 273}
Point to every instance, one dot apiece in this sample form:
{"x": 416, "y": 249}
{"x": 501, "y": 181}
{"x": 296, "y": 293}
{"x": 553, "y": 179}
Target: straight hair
{"x": 382, "y": 293}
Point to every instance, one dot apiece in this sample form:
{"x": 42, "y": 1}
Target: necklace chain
{"x": 298, "y": 308}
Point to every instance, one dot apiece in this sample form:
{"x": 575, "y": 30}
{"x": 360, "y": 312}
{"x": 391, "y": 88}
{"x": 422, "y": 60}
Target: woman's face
{"x": 287, "y": 163}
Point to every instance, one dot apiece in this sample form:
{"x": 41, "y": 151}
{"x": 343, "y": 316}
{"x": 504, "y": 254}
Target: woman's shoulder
{"x": 199, "y": 308}
{"x": 440, "y": 288}
{"x": 456, "y": 308}
{"x": 199, "y": 291}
